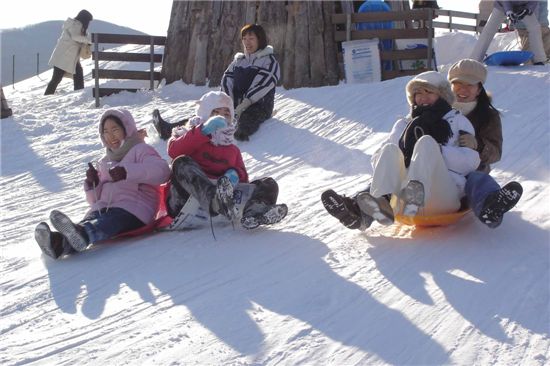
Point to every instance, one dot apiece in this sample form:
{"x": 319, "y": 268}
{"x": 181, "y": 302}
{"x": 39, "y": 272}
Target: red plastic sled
{"x": 161, "y": 219}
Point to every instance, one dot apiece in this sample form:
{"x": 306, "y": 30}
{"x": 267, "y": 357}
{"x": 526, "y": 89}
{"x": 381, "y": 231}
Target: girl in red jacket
{"x": 207, "y": 154}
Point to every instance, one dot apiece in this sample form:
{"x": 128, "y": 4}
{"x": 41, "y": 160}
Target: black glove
{"x": 92, "y": 178}
{"x": 512, "y": 17}
{"x": 117, "y": 173}
{"x": 522, "y": 13}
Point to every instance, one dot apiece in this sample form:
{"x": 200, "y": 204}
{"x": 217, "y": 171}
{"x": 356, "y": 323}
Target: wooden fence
{"x": 453, "y": 25}
{"x": 150, "y": 57}
{"x": 423, "y": 29}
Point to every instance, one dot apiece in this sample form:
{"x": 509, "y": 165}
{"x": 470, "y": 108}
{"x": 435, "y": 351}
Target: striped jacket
{"x": 251, "y": 76}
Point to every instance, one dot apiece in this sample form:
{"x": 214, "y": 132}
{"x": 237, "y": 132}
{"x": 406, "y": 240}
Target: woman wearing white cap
{"x": 488, "y": 201}
{"x": 420, "y": 164}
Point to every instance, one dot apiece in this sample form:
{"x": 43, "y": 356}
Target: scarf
{"x": 223, "y": 136}
{"x": 466, "y": 107}
{"x": 127, "y": 144}
{"x": 426, "y": 120}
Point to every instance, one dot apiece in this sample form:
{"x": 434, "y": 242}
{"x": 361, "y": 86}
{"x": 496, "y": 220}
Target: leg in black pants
{"x": 54, "y": 82}
{"x": 78, "y": 77}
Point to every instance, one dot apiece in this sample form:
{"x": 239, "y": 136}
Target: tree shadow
{"x": 318, "y": 152}
{"x": 15, "y": 144}
{"x": 220, "y": 285}
{"x": 490, "y": 276}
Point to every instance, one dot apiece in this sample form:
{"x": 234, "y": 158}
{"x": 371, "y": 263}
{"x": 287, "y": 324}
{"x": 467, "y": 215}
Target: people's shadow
{"x": 15, "y": 140}
{"x": 228, "y": 285}
{"x": 488, "y": 276}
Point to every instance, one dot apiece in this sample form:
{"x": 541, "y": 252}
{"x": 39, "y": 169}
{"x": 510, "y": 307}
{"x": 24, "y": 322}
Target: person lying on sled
{"x": 421, "y": 163}
{"x": 208, "y": 165}
{"x": 123, "y": 192}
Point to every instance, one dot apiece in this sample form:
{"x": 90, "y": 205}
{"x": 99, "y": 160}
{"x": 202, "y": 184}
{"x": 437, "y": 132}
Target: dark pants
{"x": 188, "y": 179}
{"x": 478, "y": 186}
{"x": 250, "y": 120}
{"x": 78, "y": 79}
{"x": 108, "y": 223}
{"x": 264, "y": 196}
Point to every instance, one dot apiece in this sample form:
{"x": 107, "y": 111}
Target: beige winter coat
{"x": 67, "y": 51}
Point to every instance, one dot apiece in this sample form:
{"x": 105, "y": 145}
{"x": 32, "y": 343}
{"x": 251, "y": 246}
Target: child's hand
{"x": 142, "y": 133}
{"x": 117, "y": 173}
{"x": 92, "y": 178}
{"x": 213, "y": 124}
{"x": 179, "y": 131}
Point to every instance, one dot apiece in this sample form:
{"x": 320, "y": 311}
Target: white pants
{"x": 442, "y": 195}
{"x": 495, "y": 20}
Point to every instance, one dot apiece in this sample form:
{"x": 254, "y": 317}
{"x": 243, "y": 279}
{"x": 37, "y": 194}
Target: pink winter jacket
{"x": 139, "y": 193}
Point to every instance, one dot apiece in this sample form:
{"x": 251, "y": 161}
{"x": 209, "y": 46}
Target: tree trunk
{"x": 203, "y": 37}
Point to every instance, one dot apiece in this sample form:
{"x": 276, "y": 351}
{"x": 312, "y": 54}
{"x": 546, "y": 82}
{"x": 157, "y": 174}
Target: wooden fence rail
{"x": 346, "y": 31}
{"x": 150, "y": 57}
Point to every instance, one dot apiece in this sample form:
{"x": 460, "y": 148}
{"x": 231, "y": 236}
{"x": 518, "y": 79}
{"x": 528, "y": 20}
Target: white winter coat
{"x": 459, "y": 160}
{"x": 67, "y": 51}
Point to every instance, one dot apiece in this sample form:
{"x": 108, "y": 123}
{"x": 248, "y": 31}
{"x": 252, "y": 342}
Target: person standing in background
{"x": 544, "y": 29}
{"x": 514, "y": 11}
{"x": 66, "y": 55}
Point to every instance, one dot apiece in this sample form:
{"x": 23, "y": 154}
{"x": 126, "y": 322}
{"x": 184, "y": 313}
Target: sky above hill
{"x": 146, "y": 16}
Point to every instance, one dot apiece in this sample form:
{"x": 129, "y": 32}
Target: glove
{"x": 213, "y": 124}
{"x": 194, "y": 121}
{"x": 513, "y": 17}
{"x": 467, "y": 140}
{"x": 117, "y": 173}
{"x": 92, "y": 178}
{"x": 178, "y": 131}
{"x": 242, "y": 107}
{"x": 233, "y": 176}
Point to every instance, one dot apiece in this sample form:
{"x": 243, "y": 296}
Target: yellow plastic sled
{"x": 432, "y": 220}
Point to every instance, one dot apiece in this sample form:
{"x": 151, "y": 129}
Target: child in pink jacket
{"x": 123, "y": 192}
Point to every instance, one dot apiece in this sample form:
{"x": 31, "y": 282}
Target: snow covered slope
{"x": 305, "y": 291}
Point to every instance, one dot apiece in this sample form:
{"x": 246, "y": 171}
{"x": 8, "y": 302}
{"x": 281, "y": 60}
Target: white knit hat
{"x": 433, "y": 82}
{"x": 211, "y": 101}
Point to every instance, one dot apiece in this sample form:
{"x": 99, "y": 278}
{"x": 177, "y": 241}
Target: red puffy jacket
{"x": 214, "y": 160}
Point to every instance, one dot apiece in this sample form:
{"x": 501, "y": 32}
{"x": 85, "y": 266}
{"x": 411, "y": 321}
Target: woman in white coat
{"x": 421, "y": 164}
{"x": 66, "y": 55}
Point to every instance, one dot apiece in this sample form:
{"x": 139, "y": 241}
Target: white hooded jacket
{"x": 67, "y": 51}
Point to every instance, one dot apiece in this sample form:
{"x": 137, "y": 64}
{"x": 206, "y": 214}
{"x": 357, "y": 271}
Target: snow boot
{"x": 413, "y": 197}
{"x": 498, "y": 203}
{"x": 377, "y": 208}
{"x": 52, "y": 244}
{"x": 75, "y": 234}
{"x": 345, "y": 209}
{"x": 273, "y": 215}
{"x": 222, "y": 203}
{"x": 163, "y": 128}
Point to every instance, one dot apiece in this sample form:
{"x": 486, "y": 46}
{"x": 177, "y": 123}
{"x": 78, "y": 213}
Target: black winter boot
{"x": 345, "y": 209}
{"x": 498, "y": 203}
{"x": 222, "y": 203}
{"x": 163, "y": 128}
{"x": 268, "y": 215}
